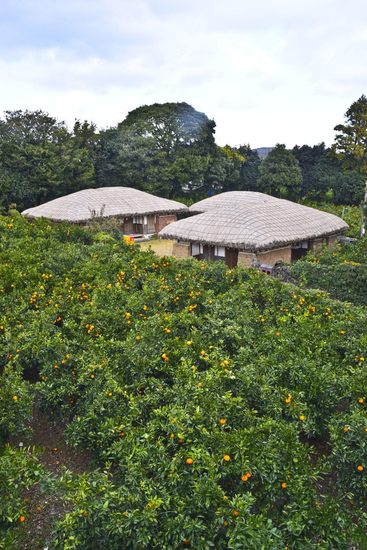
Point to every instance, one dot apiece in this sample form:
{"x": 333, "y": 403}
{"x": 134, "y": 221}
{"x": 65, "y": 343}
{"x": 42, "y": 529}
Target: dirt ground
{"x": 47, "y": 507}
{"x": 162, "y": 247}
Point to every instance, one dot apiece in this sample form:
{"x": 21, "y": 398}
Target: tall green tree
{"x": 224, "y": 170}
{"x": 348, "y": 188}
{"x": 312, "y": 162}
{"x": 350, "y": 145}
{"x": 250, "y": 170}
{"x": 162, "y": 148}
{"x": 128, "y": 156}
{"x": 280, "y": 174}
{"x": 323, "y": 177}
{"x": 172, "y": 126}
{"x": 40, "y": 159}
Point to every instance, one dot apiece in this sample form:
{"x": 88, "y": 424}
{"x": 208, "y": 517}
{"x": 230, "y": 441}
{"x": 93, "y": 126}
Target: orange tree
{"x": 213, "y": 400}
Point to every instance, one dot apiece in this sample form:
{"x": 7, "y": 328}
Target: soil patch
{"x": 46, "y": 507}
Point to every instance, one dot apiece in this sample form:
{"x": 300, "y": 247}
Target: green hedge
{"x": 352, "y": 215}
{"x": 344, "y": 282}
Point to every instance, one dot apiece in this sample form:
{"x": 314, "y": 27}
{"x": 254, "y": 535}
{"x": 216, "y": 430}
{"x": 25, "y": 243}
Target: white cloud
{"x": 279, "y": 71}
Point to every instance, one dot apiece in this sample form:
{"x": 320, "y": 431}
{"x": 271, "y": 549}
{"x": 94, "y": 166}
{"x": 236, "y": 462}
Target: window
{"x": 196, "y": 249}
{"x": 220, "y": 251}
{"x": 301, "y": 244}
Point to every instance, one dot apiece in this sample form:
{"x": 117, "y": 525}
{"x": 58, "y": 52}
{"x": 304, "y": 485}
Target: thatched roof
{"x": 231, "y": 199}
{"x": 253, "y": 222}
{"x": 104, "y": 202}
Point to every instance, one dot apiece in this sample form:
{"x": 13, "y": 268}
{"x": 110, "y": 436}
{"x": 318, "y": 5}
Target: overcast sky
{"x": 268, "y": 72}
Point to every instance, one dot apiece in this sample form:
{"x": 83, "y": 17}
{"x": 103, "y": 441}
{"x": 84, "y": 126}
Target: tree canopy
{"x": 40, "y": 159}
{"x": 308, "y": 158}
{"x": 172, "y": 125}
{"x": 280, "y": 173}
{"x": 162, "y": 148}
{"x": 350, "y": 145}
{"x": 250, "y": 169}
{"x": 169, "y": 149}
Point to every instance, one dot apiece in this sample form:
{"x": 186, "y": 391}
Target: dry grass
{"x": 253, "y": 222}
{"x": 159, "y": 246}
{"x": 104, "y": 202}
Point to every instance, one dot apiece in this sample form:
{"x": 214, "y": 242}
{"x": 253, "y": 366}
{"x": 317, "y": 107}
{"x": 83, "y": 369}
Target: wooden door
{"x": 128, "y": 226}
{"x": 208, "y": 252}
{"x": 231, "y": 257}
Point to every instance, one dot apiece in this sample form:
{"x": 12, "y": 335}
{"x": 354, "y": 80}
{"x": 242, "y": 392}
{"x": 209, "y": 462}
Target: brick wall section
{"x": 162, "y": 221}
{"x": 181, "y": 250}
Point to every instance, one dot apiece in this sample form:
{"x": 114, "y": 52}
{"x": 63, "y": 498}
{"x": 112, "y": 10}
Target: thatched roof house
{"x": 231, "y": 199}
{"x": 140, "y": 211}
{"x": 247, "y": 228}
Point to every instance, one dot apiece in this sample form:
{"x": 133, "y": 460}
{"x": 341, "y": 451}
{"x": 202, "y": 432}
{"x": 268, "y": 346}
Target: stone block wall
{"x": 317, "y": 244}
{"x": 246, "y": 259}
{"x": 181, "y": 250}
{"x": 332, "y": 241}
{"x": 276, "y": 255}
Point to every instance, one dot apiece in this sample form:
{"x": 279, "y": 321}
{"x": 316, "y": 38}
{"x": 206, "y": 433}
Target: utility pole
{"x": 364, "y": 213}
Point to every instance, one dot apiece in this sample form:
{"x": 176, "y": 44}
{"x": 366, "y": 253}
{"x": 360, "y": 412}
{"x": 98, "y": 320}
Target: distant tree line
{"x": 169, "y": 149}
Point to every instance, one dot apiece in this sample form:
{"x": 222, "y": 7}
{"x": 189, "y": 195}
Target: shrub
{"x": 15, "y": 402}
{"x": 19, "y": 471}
{"x": 215, "y": 395}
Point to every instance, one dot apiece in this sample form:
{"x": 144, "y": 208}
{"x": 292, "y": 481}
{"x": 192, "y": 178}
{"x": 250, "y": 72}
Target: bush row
{"x": 225, "y": 409}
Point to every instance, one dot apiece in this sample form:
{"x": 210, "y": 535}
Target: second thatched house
{"x": 139, "y": 212}
{"x": 246, "y": 228}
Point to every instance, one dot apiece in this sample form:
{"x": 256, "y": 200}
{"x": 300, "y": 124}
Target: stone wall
{"x": 317, "y": 244}
{"x": 246, "y": 259}
{"x": 332, "y": 241}
{"x": 181, "y": 250}
{"x": 277, "y": 255}
{"x": 164, "y": 220}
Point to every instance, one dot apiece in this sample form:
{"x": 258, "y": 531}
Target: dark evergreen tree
{"x": 250, "y": 170}
{"x": 280, "y": 174}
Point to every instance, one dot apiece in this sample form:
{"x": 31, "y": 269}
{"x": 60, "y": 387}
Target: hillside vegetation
{"x": 169, "y": 149}
{"x": 342, "y": 271}
{"x": 223, "y": 408}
